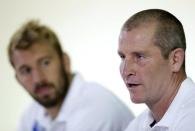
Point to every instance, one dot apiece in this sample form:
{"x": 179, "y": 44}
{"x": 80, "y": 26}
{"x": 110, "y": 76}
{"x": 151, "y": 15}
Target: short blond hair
{"x": 30, "y": 33}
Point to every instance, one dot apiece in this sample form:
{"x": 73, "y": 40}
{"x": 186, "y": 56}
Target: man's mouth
{"x": 132, "y": 85}
{"x": 44, "y": 90}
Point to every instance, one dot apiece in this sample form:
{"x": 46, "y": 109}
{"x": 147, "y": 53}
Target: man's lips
{"x": 42, "y": 90}
{"x": 132, "y": 85}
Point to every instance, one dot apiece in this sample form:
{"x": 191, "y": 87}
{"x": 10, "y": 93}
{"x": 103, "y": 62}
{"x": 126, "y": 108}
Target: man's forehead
{"x": 22, "y": 56}
{"x": 141, "y": 32}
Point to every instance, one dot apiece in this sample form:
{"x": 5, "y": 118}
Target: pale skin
{"x": 41, "y": 64}
{"x": 149, "y": 77}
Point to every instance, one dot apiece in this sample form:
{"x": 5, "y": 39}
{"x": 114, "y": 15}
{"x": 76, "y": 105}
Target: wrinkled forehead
{"x": 140, "y": 33}
{"x": 140, "y": 39}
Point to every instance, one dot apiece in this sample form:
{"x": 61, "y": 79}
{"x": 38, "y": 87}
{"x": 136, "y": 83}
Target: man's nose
{"x": 128, "y": 68}
{"x": 38, "y": 75}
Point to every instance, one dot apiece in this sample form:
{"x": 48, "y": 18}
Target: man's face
{"x": 40, "y": 71}
{"x": 144, "y": 70}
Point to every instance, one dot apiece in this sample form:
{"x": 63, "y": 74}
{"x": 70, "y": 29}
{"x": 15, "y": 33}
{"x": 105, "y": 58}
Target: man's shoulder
{"x": 29, "y": 116}
{"x": 98, "y": 94}
{"x": 101, "y": 108}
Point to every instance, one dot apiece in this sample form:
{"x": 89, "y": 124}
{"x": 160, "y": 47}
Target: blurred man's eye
{"x": 45, "y": 62}
{"x": 25, "y": 70}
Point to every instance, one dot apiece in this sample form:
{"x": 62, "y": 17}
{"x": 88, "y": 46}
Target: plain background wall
{"x": 89, "y": 32}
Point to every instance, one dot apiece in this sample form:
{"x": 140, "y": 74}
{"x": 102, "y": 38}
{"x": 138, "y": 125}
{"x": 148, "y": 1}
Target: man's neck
{"x": 159, "y": 108}
{"x": 53, "y": 111}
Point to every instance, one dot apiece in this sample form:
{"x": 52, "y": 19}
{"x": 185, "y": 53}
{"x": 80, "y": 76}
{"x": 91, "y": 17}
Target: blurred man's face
{"x": 40, "y": 71}
{"x": 144, "y": 70}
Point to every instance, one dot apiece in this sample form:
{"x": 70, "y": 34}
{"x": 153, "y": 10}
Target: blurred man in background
{"x": 63, "y": 101}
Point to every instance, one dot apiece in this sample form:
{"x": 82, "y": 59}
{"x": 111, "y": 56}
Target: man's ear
{"x": 176, "y": 58}
{"x": 67, "y": 63}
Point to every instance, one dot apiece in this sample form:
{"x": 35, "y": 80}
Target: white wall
{"x": 89, "y": 32}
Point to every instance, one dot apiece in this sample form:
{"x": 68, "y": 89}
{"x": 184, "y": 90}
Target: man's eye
{"x": 25, "y": 71}
{"x": 121, "y": 56}
{"x": 45, "y": 62}
{"x": 140, "y": 56}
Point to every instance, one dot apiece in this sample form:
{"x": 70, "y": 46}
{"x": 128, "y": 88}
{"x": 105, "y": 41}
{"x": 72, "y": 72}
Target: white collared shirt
{"x": 180, "y": 115}
{"x": 87, "y": 107}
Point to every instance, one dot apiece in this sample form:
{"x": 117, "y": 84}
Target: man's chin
{"x": 136, "y": 100}
{"x": 47, "y": 102}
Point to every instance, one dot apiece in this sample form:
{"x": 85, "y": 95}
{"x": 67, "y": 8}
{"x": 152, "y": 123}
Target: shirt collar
{"x": 72, "y": 96}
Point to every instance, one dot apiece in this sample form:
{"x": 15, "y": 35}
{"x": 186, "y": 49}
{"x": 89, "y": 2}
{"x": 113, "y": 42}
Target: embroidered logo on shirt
{"x": 37, "y": 127}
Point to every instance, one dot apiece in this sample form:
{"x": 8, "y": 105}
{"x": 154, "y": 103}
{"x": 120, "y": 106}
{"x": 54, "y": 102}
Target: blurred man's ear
{"x": 67, "y": 64}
